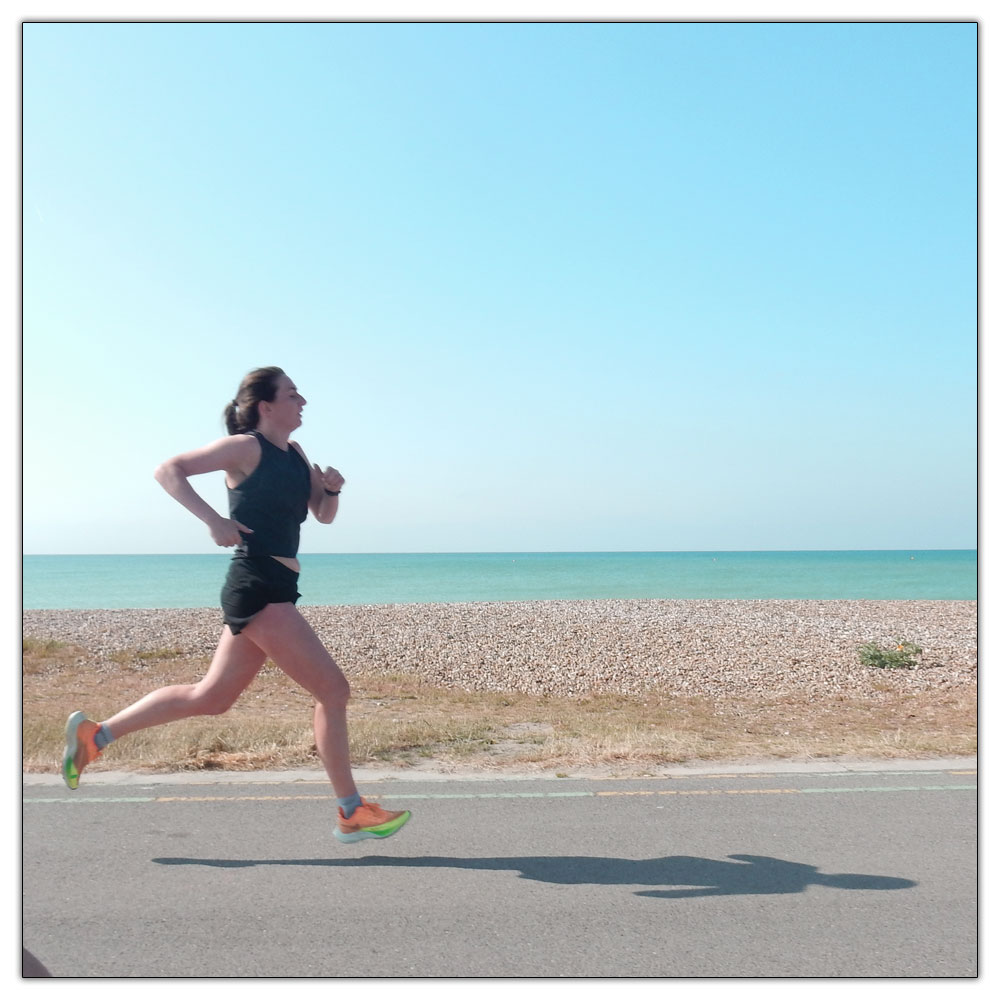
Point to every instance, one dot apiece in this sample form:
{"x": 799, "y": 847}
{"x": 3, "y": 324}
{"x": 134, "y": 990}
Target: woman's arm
{"x": 236, "y": 455}
{"x": 323, "y": 506}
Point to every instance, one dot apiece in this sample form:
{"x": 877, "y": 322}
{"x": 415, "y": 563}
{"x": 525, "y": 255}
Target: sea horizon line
{"x": 529, "y": 552}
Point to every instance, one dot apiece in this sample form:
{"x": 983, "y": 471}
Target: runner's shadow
{"x": 745, "y": 874}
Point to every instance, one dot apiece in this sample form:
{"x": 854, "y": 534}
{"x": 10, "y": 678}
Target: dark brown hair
{"x": 258, "y": 386}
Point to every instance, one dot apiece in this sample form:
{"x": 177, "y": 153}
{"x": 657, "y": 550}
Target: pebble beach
{"x": 710, "y": 648}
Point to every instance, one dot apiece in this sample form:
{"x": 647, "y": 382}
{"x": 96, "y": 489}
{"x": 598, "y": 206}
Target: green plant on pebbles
{"x": 901, "y": 656}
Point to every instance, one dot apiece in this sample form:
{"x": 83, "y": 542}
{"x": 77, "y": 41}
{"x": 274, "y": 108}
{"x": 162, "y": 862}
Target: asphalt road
{"x": 814, "y": 872}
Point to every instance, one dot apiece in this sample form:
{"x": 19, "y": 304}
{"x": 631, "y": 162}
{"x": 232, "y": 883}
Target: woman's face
{"x": 286, "y": 407}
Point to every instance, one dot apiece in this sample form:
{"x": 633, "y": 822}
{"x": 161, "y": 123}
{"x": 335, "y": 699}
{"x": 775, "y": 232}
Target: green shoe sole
{"x": 373, "y": 832}
{"x": 69, "y": 772}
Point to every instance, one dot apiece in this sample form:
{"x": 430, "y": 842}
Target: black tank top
{"x": 273, "y": 500}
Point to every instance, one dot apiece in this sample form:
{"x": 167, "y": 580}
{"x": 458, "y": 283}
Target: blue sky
{"x": 546, "y": 286}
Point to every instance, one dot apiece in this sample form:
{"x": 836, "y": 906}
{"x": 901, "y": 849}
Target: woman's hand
{"x": 330, "y": 480}
{"x": 324, "y": 506}
{"x": 226, "y": 532}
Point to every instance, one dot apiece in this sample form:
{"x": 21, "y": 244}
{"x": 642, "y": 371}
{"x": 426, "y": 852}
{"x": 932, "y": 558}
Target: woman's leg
{"x": 237, "y": 661}
{"x": 288, "y": 639}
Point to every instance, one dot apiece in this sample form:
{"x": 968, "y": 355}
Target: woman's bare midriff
{"x": 286, "y": 561}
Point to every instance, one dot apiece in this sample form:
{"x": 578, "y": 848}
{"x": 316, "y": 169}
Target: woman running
{"x": 271, "y": 489}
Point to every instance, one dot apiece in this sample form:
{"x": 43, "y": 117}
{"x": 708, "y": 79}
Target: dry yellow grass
{"x": 402, "y": 721}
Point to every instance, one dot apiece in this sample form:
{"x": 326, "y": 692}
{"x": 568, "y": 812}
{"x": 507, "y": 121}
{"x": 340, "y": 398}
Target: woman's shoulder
{"x": 242, "y": 452}
{"x": 248, "y": 443}
{"x": 232, "y": 454}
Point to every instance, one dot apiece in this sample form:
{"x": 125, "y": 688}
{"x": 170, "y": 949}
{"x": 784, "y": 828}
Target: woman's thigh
{"x": 236, "y": 663}
{"x": 288, "y": 639}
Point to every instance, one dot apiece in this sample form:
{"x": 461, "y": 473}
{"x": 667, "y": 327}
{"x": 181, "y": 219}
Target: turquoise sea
{"x": 179, "y": 581}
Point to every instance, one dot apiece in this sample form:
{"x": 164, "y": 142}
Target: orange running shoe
{"x": 368, "y": 820}
{"x": 80, "y": 747}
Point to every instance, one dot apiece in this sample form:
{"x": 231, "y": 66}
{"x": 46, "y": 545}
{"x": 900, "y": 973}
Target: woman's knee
{"x": 336, "y": 691}
{"x": 212, "y": 700}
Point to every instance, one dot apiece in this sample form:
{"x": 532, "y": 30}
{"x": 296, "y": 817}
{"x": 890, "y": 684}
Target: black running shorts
{"x": 252, "y": 583}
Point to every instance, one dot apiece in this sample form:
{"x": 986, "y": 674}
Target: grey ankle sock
{"x": 103, "y": 737}
{"x": 349, "y": 804}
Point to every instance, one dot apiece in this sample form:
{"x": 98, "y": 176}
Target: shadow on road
{"x": 745, "y": 874}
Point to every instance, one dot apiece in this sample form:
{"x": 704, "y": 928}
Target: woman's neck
{"x": 277, "y": 437}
